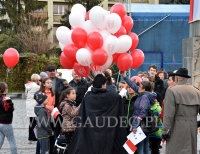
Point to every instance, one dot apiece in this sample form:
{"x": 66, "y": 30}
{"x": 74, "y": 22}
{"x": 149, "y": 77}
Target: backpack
{"x": 150, "y": 123}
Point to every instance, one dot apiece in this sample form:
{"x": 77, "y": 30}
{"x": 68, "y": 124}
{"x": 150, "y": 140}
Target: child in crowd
{"x": 44, "y": 130}
{"x": 69, "y": 111}
{"x": 46, "y": 88}
{"x": 6, "y": 112}
{"x": 156, "y": 137}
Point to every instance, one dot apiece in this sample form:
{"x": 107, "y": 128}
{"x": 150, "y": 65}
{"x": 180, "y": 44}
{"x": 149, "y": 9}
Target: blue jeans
{"x": 6, "y": 130}
{"x": 143, "y": 147}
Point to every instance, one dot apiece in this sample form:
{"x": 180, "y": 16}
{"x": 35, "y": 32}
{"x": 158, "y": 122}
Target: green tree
{"x": 16, "y": 13}
{"x": 87, "y": 3}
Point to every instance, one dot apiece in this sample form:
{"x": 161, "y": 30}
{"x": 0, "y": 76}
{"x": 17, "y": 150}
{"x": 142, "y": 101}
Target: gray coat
{"x": 182, "y": 103}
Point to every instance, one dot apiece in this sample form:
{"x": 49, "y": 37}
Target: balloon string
{"x": 7, "y": 70}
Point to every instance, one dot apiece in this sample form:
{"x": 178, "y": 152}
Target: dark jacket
{"x": 159, "y": 86}
{"x": 6, "y": 116}
{"x": 43, "y": 122}
{"x": 81, "y": 88}
{"x": 142, "y": 103}
{"x": 98, "y": 125}
{"x": 111, "y": 87}
{"x": 59, "y": 88}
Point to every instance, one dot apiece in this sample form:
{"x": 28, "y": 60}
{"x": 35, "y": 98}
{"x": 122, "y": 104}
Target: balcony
{"x": 39, "y": 14}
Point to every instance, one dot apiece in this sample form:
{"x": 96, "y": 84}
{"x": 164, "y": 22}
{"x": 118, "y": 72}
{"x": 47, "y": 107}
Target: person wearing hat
{"x": 43, "y": 75}
{"x": 58, "y": 84}
{"x": 182, "y": 103}
{"x": 98, "y": 129}
{"x": 44, "y": 130}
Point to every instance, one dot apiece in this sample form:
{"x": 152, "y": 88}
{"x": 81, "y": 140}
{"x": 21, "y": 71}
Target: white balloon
{"x": 111, "y": 44}
{"x": 104, "y": 24}
{"x": 61, "y": 46}
{"x": 89, "y": 27}
{"x": 107, "y": 64}
{"x": 97, "y": 16}
{"x": 79, "y": 8}
{"x": 125, "y": 42}
{"x": 76, "y": 19}
{"x": 113, "y": 23}
{"x": 61, "y": 33}
{"x": 69, "y": 37}
{"x": 84, "y": 57}
{"x": 104, "y": 34}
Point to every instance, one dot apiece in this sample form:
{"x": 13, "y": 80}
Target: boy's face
{"x": 152, "y": 72}
{"x": 45, "y": 102}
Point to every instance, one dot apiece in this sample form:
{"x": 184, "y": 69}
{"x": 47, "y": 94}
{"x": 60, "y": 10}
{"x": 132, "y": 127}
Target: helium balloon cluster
{"x": 97, "y": 39}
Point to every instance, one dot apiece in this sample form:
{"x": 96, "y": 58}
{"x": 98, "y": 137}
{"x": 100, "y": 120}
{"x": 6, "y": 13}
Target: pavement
{"x": 20, "y": 126}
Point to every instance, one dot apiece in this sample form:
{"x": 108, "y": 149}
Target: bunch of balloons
{"x": 97, "y": 39}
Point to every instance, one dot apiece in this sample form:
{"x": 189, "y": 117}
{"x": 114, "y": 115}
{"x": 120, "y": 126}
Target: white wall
{"x": 66, "y": 74}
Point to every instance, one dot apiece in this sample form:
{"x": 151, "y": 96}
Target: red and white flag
{"x": 194, "y": 10}
{"x": 130, "y": 147}
{"x": 55, "y": 112}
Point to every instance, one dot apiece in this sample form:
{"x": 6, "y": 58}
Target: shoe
{"x": 30, "y": 141}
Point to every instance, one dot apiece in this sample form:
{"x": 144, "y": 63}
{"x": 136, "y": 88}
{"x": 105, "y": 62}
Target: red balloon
{"x": 79, "y": 37}
{"x": 70, "y": 51}
{"x": 138, "y": 58}
{"x": 81, "y": 70}
{"x": 11, "y": 57}
{"x": 124, "y": 61}
{"x": 121, "y": 31}
{"x": 135, "y": 40}
{"x": 99, "y": 57}
{"x": 127, "y": 22}
{"x": 87, "y": 15}
{"x": 115, "y": 57}
{"x": 119, "y": 9}
{"x": 94, "y": 40}
{"x": 66, "y": 62}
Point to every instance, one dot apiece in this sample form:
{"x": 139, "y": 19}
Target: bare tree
{"x": 33, "y": 35}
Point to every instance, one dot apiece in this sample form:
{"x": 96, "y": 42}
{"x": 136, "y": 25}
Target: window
{"x": 59, "y": 9}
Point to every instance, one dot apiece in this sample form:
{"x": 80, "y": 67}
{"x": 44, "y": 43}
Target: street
{"x": 20, "y": 125}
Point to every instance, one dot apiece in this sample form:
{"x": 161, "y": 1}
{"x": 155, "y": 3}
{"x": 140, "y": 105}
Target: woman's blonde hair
{"x": 35, "y": 77}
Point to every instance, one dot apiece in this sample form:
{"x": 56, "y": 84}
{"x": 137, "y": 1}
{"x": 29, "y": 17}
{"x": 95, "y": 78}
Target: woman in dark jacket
{"x": 6, "y": 117}
{"x": 141, "y": 106}
{"x": 98, "y": 127}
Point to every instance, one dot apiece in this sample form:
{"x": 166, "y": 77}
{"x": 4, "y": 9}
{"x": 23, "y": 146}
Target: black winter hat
{"x": 183, "y": 72}
{"x": 40, "y": 97}
{"x": 99, "y": 80}
{"x": 50, "y": 68}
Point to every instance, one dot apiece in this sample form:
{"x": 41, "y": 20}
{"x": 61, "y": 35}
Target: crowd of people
{"x": 96, "y": 116}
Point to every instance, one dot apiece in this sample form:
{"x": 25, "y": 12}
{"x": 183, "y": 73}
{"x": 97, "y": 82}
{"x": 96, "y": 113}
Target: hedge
{"x": 28, "y": 64}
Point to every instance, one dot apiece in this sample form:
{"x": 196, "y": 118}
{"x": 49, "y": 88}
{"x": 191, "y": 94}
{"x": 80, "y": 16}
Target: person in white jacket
{"x": 31, "y": 87}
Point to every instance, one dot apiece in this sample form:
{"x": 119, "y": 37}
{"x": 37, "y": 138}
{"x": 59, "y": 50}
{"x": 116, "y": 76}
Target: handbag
{"x": 149, "y": 124}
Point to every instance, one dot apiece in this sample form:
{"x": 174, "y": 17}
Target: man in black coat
{"x": 99, "y": 128}
{"x": 80, "y": 85}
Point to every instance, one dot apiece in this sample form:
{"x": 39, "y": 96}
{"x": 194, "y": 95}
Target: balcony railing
{"x": 39, "y": 14}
